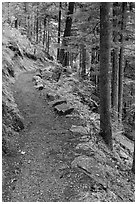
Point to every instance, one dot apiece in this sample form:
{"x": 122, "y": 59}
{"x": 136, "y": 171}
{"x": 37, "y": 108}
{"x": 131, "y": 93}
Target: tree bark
{"x": 16, "y": 23}
{"x": 83, "y": 61}
{"x": 44, "y": 32}
{"x": 59, "y": 30}
{"x": 48, "y": 37}
{"x": 105, "y": 34}
{"x": 8, "y": 12}
{"x": 115, "y": 64}
{"x": 121, "y": 64}
{"x": 133, "y": 163}
{"x": 64, "y": 56}
{"x": 37, "y": 26}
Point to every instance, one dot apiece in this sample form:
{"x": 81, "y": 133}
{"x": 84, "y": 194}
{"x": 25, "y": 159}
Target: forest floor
{"x": 51, "y": 165}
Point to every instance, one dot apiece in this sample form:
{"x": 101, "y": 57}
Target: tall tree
{"x": 64, "y": 55}
{"x": 121, "y": 61}
{"x": 105, "y": 34}
{"x": 83, "y": 60}
{"x": 44, "y": 31}
{"x": 48, "y": 35}
{"x": 115, "y": 64}
{"x": 59, "y": 30}
{"x": 37, "y": 24}
{"x": 133, "y": 163}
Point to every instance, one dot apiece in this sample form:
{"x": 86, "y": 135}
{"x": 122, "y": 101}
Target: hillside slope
{"x": 48, "y": 156}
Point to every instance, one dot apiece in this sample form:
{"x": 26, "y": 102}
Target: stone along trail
{"x": 47, "y": 150}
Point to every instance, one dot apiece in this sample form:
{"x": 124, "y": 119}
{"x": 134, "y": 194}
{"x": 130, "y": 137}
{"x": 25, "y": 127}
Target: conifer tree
{"x": 64, "y": 55}
{"x": 121, "y": 62}
{"x": 105, "y": 123}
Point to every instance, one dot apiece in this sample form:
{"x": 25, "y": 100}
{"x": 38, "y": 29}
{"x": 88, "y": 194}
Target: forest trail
{"x": 55, "y": 164}
{"x": 46, "y": 145}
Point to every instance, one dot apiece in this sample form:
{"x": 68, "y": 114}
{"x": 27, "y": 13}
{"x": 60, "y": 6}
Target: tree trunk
{"x": 16, "y": 23}
{"x": 37, "y": 27}
{"x": 121, "y": 64}
{"x": 59, "y": 30}
{"x": 26, "y": 16}
{"x": 44, "y": 32}
{"x": 34, "y": 28}
{"x": 94, "y": 61}
{"x": 80, "y": 62}
{"x": 115, "y": 65}
{"x": 8, "y": 12}
{"x": 105, "y": 34}
{"x": 40, "y": 31}
{"x": 71, "y": 59}
{"x": 133, "y": 164}
{"x": 28, "y": 27}
{"x": 48, "y": 38}
{"x": 67, "y": 32}
{"x": 83, "y": 61}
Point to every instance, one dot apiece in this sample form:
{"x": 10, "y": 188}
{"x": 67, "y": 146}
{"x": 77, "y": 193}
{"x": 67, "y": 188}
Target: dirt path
{"x": 43, "y": 170}
{"x": 48, "y": 150}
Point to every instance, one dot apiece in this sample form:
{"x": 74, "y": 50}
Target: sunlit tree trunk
{"x": 105, "y": 34}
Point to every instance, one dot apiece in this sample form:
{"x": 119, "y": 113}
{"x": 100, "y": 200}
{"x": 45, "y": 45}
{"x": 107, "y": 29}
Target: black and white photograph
{"x": 68, "y": 101}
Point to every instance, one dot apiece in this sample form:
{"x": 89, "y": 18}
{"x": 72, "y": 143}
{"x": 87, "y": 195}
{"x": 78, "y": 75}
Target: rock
{"x": 79, "y": 129}
{"x": 91, "y": 168}
{"x": 86, "y": 146}
{"x": 36, "y": 82}
{"x": 63, "y": 109}
{"x": 85, "y": 138}
{"x": 57, "y": 73}
{"x": 47, "y": 74}
{"x": 17, "y": 123}
{"x": 9, "y": 148}
{"x": 125, "y": 142}
{"x": 123, "y": 155}
{"x": 57, "y": 102}
{"x": 101, "y": 157}
{"x": 39, "y": 75}
{"x": 62, "y": 167}
{"x": 36, "y": 78}
{"x": 39, "y": 86}
{"x": 130, "y": 134}
{"x": 52, "y": 96}
{"x": 30, "y": 56}
{"x": 49, "y": 56}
